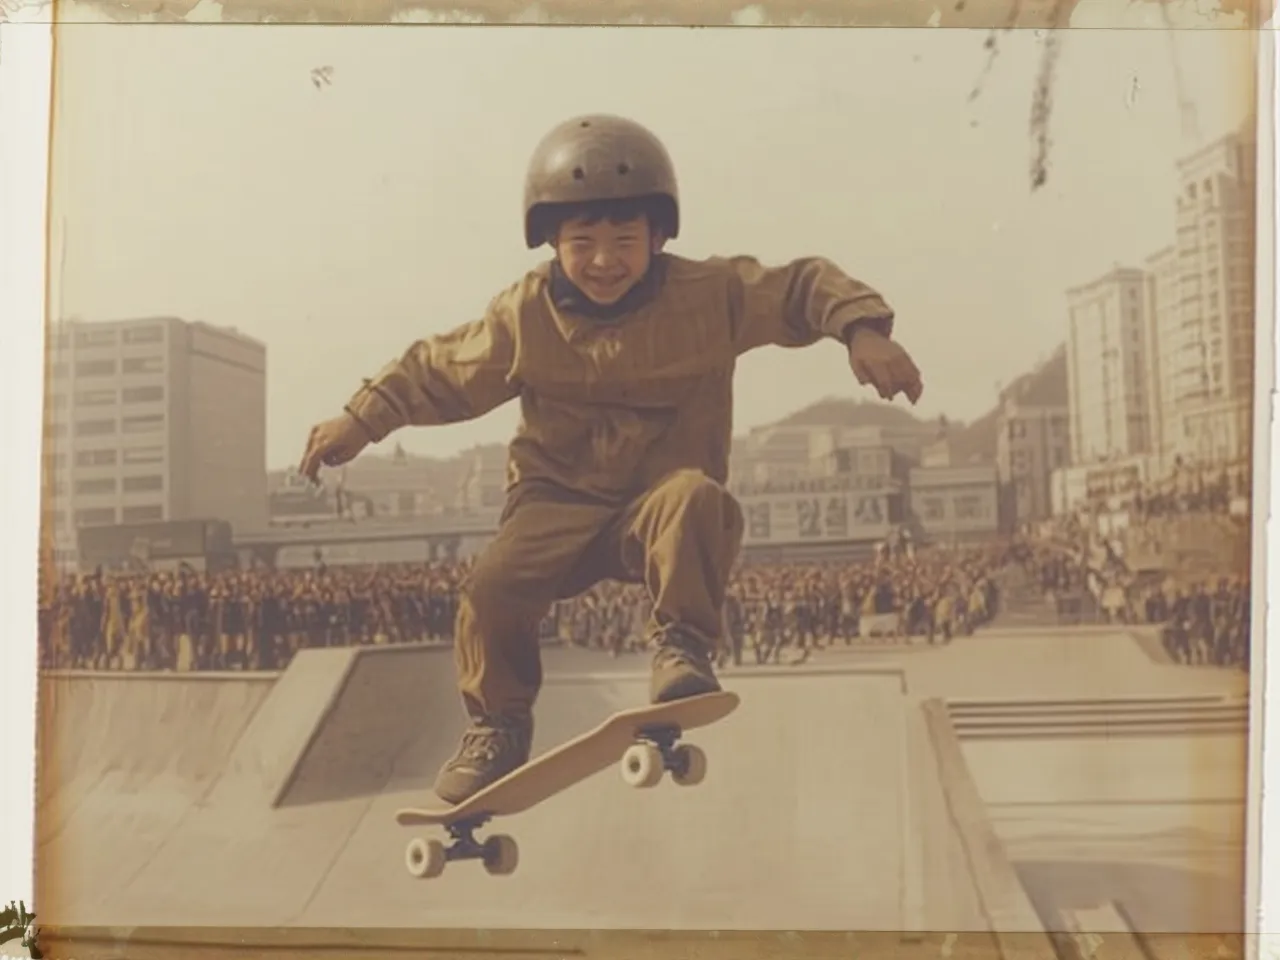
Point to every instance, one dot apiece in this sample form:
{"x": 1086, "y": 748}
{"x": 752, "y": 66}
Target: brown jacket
{"x": 609, "y": 408}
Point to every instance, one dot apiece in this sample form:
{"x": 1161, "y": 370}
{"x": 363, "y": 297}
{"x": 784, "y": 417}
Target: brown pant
{"x": 679, "y": 539}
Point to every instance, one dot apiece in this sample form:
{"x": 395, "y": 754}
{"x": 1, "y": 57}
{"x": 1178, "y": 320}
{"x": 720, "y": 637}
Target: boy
{"x": 622, "y": 357}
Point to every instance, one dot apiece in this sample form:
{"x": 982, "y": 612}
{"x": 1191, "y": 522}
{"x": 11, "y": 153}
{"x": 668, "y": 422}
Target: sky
{"x": 201, "y": 172}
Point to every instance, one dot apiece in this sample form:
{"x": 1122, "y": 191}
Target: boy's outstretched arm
{"x": 456, "y": 376}
{"x": 811, "y": 299}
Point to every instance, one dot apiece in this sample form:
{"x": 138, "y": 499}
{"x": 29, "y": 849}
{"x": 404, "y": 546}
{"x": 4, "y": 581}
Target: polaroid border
{"x": 95, "y": 942}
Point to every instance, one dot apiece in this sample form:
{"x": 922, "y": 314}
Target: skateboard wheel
{"x": 642, "y": 765}
{"x": 690, "y": 765}
{"x": 501, "y": 855}
{"x": 424, "y": 859}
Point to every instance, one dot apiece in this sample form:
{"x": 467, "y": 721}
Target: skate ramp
{"x": 809, "y": 817}
{"x": 121, "y": 760}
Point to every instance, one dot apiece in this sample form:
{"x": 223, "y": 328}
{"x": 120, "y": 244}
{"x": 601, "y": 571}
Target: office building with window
{"x": 1206, "y": 319}
{"x": 154, "y": 419}
{"x": 1108, "y": 358}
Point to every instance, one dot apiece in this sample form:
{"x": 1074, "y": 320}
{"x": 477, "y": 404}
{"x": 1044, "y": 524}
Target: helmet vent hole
{"x": 624, "y": 169}
{"x": 585, "y": 123}
{"x": 579, "y": 173}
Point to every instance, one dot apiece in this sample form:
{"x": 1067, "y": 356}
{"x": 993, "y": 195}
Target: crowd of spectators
{"x": 1133, "y": 572}
{"x": 257, "y": 619}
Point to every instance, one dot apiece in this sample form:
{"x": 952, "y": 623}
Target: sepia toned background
{"x": 1043, "y": 567}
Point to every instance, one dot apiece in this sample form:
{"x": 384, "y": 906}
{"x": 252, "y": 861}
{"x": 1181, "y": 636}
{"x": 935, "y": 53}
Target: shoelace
{"x": 482, "y": 744}
{"x": 678, "y": 645}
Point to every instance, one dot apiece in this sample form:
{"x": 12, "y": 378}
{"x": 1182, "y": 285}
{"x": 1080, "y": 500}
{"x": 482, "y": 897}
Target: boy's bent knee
{"x": 689, "y": 484}
{"x": 694, "y": 490}
{"x": 496, "y": 590}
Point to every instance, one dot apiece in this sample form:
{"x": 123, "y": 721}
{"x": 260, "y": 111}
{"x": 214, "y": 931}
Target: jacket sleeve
{"x": 800, "y": 303}
{"x": 456, "y": 376}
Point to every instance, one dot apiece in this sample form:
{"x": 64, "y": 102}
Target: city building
{"x": 1168, "y": 343}
{"x": 154, "y": 419}
{"x": 953, "y": 504}
{"x": 1103, "y": 485}
{"x": 1108, "y": 355}
{"x": 395, "y": 485}
{"x": 1208, "y": 325}
{"x": 484, "y": 485}
{"x": 774, "y": 455}
{"x": 1032, "y": 440}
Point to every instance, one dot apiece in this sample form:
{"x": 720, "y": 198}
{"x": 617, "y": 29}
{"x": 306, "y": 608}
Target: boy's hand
{"x": 331, "y": 444}
{"x": 877, "y": 360}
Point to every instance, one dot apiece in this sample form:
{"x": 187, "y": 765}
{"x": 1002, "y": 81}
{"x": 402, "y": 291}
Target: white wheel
{"x": 501, "y": 855}
{"x": 642, "y": 765}
{"x": 691, "y": 765}
{"x": 424, "y": 859}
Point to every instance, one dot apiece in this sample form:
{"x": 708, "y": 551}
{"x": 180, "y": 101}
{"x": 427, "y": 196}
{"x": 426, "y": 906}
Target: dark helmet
{"x": 598, "y": 157}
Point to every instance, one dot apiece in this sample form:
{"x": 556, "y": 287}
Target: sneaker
{"x": 682, "y": 666}
{"x": 490, "y": 749}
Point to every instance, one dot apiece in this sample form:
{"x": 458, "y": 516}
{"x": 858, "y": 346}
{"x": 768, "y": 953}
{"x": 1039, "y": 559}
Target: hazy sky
{"x": 199, "y": 172}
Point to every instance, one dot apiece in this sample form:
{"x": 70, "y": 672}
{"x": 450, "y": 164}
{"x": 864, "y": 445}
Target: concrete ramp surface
{"x": 235, "y": 800}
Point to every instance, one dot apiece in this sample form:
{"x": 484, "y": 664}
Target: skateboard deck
{"x": 643, "y": 740}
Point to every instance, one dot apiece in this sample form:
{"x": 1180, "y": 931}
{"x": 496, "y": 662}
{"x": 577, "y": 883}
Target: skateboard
{"x": 642, "y": 740}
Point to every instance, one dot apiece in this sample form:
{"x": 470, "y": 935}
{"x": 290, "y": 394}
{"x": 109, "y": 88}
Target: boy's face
{"x": 604, "y": 260}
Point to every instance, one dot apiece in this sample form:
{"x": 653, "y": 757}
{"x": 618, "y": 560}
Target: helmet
{"x": 598, "y": 157}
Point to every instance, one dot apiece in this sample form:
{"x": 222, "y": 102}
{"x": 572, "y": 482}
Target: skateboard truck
{"x": 657, "y": 752}
{"x": 426, "y": 859}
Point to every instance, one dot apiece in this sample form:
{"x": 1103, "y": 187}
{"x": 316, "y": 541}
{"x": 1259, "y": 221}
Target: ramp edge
{"x": 1012, "y": 920}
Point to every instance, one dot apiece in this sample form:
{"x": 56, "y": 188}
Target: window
{"x": 55, "y": 429}
{"x": 142, "y": 365}
{"x": 85, "y": 488}
{"x": 138, "y": 455}
{"x": 55, "y": 461}
{"x": 142, "y": 514}
{"x": 144, "y": 424}
{"x": 95, "y": 517}
{"x": 933, "y": 508}
{"x": 95, "y": 428}
{"x": 970, "y": 507}
{"x": 58, "y": 371}
{"x": 96, "y": 458}
{"x": 95, "y": 338}
{"x": 141, "y": 394}
{"x": 95, "y": 368}
{"x": 152, "y": 334}
{"x": 95, "y": 398}
{"x": 143, "y": 484}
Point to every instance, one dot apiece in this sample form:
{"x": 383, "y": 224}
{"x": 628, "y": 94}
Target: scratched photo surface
{"x": 992, "y": 647}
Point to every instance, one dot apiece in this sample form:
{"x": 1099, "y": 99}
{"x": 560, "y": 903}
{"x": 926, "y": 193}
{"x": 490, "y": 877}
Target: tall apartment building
{"x": 1206, "y": 329}
{"x": 154, "y": 419}
{"x": 1108, "y": 356}
{"x": 1167, "y": 339}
